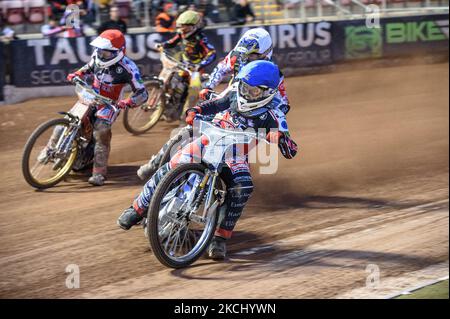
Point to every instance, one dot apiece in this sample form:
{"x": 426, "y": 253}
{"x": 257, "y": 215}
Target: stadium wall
{"x": 40, "y": 66}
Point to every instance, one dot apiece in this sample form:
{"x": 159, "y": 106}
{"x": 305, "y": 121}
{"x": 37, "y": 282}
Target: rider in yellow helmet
{"x": 197, "y": 51}
{"x": 196, "y": 48}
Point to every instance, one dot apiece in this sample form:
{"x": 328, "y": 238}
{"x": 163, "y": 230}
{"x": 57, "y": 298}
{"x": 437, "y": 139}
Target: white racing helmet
{"x": 257, "y": 41}
{"x": 109, "y": 48}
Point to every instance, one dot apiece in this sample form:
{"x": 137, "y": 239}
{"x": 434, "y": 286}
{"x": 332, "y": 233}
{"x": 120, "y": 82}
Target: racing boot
{"x": 217, "y": 250}
{"x": 97, "y": 179}
{"x": 147, "y": 170}
{"x": 129, "y": 218}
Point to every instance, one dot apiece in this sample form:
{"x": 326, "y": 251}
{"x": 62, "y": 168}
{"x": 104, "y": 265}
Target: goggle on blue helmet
{"x": 258, "y": 84}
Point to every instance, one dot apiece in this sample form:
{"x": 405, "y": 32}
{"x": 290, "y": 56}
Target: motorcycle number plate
{"x": 80, "y": 110}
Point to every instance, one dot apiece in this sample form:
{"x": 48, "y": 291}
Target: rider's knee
{"x": 242, "y": 191}
{"x": 102, "y": 132}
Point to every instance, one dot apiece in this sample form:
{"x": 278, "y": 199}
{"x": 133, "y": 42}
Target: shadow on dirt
{"x": 118, "y": 176}
{"x": 205, "y": 266}
{"x": 280, "y": 259}
{"x": 321, "y": 202}
{"x": 248, "y": 253}
{"x": 281, "y": 193}
{"x": 124, "y": 175}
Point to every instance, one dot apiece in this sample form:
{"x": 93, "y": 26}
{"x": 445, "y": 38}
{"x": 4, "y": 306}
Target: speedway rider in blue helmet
{"x": 251, "y": 103}
{"x": 255, "y": 44}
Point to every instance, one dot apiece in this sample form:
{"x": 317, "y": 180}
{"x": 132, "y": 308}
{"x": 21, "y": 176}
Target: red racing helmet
{"x": 109, "y": 48}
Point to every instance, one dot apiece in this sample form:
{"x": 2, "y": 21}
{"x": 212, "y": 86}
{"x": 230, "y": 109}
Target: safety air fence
{"x": 298, "y": 49}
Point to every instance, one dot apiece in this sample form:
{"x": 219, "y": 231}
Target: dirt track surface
{"x": 369, "y": 186}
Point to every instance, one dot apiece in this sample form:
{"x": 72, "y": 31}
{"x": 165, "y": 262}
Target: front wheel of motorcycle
{"x": 42, "y": 165}
{"x": 141, "y": 119}
{"x": 178, "y": 239}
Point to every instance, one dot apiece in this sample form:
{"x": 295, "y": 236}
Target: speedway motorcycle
{"x": 162, "y": 99}
{"x": 185, "y": 134}
{"x": 61, "y": 145}
{"x": 185, "y": 206}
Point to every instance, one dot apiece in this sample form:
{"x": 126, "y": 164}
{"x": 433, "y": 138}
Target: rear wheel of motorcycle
{"x": 198, "y": 247}
{"x": 141, "y": 119}
{"x": 34, "y": 171}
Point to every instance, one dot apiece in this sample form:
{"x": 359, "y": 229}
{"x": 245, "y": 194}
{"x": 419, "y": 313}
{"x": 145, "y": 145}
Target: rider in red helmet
{"x": 111, "y": 71}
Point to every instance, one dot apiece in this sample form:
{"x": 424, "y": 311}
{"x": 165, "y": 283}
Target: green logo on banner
{"x": 362, "y": 42}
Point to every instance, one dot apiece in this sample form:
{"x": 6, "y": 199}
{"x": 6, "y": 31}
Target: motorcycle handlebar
{"x": 208, "y": 118}
{"x": 186, "y": 66}
{"x": 81, "y": 82}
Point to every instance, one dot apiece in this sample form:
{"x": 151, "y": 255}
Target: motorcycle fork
{"x": 204, "y": 190}
{"x": 210, "y": 191}
{"x": 193, "y": 91}
{"x": 66, "y": 139}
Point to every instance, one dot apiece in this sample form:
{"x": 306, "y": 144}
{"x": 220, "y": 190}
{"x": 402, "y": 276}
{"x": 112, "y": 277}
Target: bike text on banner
{"x": 399, "y": 36}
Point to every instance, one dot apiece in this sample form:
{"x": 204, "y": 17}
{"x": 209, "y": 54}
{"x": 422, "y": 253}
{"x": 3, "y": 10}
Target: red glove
{"x": 191, "y": 113}
{"x": 71, "y": 76}
{"x": 204, "y": 94}
{"x": 123, "y": 104}
{"x": 274, "y": 136}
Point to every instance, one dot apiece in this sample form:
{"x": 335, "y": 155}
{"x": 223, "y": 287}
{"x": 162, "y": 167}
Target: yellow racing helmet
{"x": 188, "y": 22}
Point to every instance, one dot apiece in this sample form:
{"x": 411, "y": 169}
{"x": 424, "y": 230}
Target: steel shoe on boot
{"x": 146, "y": 171}
{"x": 217, "y": 250}
{"x": 97, "y": 179}
{"x": 129, "y": 218}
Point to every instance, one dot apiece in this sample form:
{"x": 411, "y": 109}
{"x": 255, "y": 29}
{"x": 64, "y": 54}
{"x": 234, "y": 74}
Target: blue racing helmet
{"x": 258, "y": 84}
